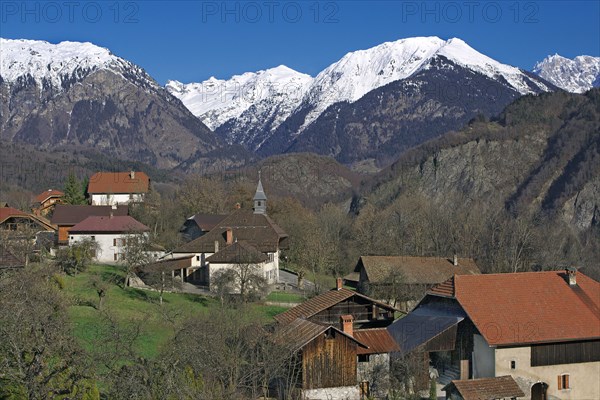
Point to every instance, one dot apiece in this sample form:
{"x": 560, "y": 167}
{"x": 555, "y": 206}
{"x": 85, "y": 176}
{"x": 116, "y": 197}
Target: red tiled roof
{"x": 486, "y": 388}
{"x": 40, "y": 198}
{"x": 7, "y": 212}
{"x": 322, "y": 302}
{"x": 378, "y": 340}
{"x": 68, "y": 215}
{"x": 530, "y": 307}
{"x": 423, "y": 270}
{"x": 107, "y": 224}
{"x": 118, "y": 182}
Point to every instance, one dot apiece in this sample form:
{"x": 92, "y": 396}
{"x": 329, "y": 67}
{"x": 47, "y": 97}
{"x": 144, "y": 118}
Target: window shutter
{"x": 114, "y": 242}
{"x": 560, "y": 382}
{"x": 566, "y": 382}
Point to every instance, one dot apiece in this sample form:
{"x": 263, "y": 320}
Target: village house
{"x": 113, "y": 188}
{"x": 361, "y": 318}
{"x": 110, "y": 233}
{"x": 44, "y": 202}
{"x": 15, "y": 221}
{"x": 403, "y": 280}
{"x": 67, "y": 216}
{"x": 542, "y": 328}
{"x": 245, "y": 236}
{"x": 326, "y": 365}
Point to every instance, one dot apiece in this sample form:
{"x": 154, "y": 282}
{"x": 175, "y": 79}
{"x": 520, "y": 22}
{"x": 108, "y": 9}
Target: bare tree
{"x": 76, "y": 257}
{"x": 135, "y": 254}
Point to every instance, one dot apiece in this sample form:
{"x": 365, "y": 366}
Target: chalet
{"x": 112, "y": 188}
{"x": 110, "y": 233}
{"x": 375, "y": 275}
{"x": 326, "y": 359}
{"x": 44, "y": 202}
{"x": 243, "y": 236}
{"x": 499, "y": 388}
{"x": 199, "y": 224}
{"x": 13, "y": 220}
{"x": 360, "y": 317}
{"x": 542, "y": 328}
{"x": 67, "y": 216}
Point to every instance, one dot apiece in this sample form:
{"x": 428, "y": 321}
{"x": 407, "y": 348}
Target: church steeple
{"x": 260, "y": 199}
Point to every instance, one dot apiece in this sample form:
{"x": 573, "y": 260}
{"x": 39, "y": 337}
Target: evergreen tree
{"x": 74, "y": 192}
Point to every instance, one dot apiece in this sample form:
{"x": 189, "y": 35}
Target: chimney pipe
{"x": 338, "y": 283}
{"x": 346, "y": 323}
{"x": 455, "y": 260}
{"x": 132, "y": 174}
{"x": 216, "y": 246}
{"x": 238, "y": 206}
{"x": 572, "y": 274}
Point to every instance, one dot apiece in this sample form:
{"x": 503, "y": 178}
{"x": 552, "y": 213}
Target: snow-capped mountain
{"x": 80, "y": 95}
{"x": 55, "y": 66}
{"x": 359, "y": 72}
{"x": 216, "y": 101}
{"x": 577, "y": 75}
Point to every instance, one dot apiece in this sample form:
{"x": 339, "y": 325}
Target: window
{"x": 563, "y": 382}
{"x": 363, "y": 358}
{"x": 93, "y": 237}
{"x": 513, "y": 364}
{"x": 197, "y": 258}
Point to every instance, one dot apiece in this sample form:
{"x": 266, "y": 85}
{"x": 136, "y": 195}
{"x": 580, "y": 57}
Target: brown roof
{"x": 206, "y": 222}
{"x": 9, "y": 212}
{"x": 168, "y": 264}
{"x": 543, "y": 306}
{"x": 299, "y": 332}
{"x": 445, "y": 289}
{"x": 424, "y": 270}
{"x": 486, "y": 388}
{"x": 68, "y": 215}
{"x": 118, "y": 182}
{"x": 257, "y": 229}
{"x": 116, "y": 224}
{"x": 322, "y": 302}
{"x": 378, "y": 340}
{"x": 45, "y": 195}
{"x": 238, "y": 253}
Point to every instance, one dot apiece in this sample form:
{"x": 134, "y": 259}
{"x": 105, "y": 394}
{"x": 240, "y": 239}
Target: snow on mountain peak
{"x": 577, "y": 75}
{"x": 215, "y": 101}
{"x": 42, "y": 60}
{"x": 359, "y": 72}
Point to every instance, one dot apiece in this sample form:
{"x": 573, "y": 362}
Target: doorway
{"x": 538, "y": 391}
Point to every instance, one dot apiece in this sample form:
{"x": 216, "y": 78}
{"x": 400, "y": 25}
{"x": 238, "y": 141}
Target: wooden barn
{"x": 326, "y": 360}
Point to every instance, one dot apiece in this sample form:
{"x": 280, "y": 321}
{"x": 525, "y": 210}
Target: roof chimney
{"x": 111, "y": 214}
{"x": 229, "y": 236}
{"x": 572, "y": 275}
{"x": 338, "y": 283}
{"x": 346, "y": 323}
{"x": 216, "y": 246}
{"x": 238, "y": 206}
{"x": 132, "y": 174}
{"x": 455, "y": 260}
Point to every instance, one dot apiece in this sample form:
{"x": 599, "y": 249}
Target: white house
{"x": 110, "y": 233}
{"x": 112, "y": 188}
{"x": 243, "y": 235}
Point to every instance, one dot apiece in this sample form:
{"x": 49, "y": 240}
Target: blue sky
{"x": 192, "y": 40}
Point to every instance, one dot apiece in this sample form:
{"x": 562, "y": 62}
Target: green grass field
{"x": 130, "y": 307}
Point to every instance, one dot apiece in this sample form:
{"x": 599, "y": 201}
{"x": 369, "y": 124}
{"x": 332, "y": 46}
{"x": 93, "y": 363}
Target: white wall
{"x": 115, "y": 199}
{"x": 483, "y": 358}
{"x": 106, "y": 249}
{"x": 583, "y": 377}
{"x": 334, "y": 393}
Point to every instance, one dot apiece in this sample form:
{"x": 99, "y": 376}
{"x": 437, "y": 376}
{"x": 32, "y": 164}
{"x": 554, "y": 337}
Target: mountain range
{"x": 364, "y": 110}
